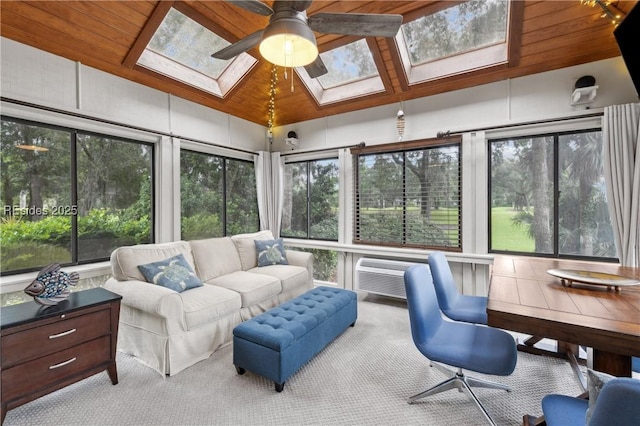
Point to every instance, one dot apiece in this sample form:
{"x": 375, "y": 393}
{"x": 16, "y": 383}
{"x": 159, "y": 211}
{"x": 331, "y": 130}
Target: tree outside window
{"x": 409, "y": 197}
{"x": 548, "y": 196}
{"x": 218, "y": 196}
{"x": 311, "y": 200}
{"x": 310, "y": 210}
{"x": 70, "y": 197}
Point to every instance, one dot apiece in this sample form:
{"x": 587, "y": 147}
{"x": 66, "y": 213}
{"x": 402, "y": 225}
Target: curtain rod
{"x": 523, "y": 124}
{"x": 114, "y": 123}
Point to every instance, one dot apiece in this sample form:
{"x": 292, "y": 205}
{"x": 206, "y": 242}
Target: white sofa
{"x": 169, "y": 330}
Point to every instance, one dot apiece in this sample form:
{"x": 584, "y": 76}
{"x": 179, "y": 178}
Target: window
{"x": 69, "y": 196}
{"x": 325, "y": 264}
{"x": 409, "y": 195}
{"x": 460, "y": 38}
{"x": 351, "y": 73}
{"x": 347, "y": 64}
{"x": 310, "y": 208}
{"x": 181, "y": 48}
{"x": 218, "y": 196}
{"x": 548, "y": 196}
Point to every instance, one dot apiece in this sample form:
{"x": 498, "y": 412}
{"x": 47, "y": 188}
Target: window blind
{"x": 409, "y": 197}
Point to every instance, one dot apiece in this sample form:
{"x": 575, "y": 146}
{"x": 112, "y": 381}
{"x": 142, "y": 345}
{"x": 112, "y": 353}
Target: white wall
{"x": 37, "y": 77}
{"x": 536, "y": 97}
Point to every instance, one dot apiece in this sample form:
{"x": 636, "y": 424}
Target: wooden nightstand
{"x": 43, "y": 349}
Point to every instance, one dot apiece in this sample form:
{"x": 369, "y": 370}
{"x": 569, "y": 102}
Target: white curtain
{"x": 269, "y": 181}
{"x": 621, "y": 137}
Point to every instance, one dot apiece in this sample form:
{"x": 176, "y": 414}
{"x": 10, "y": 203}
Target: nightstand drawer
{"x": 42, "y": 372}
{"x": 53, "y": 337}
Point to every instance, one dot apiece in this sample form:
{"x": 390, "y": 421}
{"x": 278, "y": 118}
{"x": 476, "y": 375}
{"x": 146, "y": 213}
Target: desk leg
{"x": 568, "y": 351}
{"x": 614, "y": 364}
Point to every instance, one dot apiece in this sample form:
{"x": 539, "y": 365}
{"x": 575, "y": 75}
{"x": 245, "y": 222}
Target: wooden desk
{"x": 524, "y": 298}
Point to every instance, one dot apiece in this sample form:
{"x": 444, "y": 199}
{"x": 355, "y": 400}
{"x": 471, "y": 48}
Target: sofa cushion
{"x": 246, "y": 247}
{"x": 208, "y": 303}
{"x": 270, "y": 252}
{"x": 174, "y": 273}
{"x": 215, "y": 257}
{"x": 253, "y": 288}
{"x": 125, "y": 260}
{"x": 290, "y": 276}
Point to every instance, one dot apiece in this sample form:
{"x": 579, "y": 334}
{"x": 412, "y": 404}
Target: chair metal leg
{"x": 451, "y": 383}
{"x": 471, "y": 380}
{"x": 478, "y": 403}
{"x": 463, "y": 384}
{"x": 481, "y": 383}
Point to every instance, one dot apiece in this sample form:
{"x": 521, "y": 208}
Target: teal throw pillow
{"x": 174, "y": 273}
{"x": 271, "y": 252}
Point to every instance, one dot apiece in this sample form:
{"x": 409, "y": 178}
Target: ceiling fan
{"x": 288, "y": 39}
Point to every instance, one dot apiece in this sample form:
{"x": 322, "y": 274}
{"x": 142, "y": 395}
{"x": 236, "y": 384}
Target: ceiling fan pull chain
{"x": 291, "y": 80}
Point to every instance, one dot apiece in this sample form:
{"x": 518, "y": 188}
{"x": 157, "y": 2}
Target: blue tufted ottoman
{"x": 278, "y": 342}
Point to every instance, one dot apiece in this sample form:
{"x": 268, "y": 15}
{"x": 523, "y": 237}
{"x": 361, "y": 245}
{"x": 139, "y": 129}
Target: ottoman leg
{"x": 240, "y": 370}
{"x": 279, "y": 387}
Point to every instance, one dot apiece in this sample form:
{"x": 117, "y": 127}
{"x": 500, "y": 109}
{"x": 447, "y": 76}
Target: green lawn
{"x": 505, "y": 235}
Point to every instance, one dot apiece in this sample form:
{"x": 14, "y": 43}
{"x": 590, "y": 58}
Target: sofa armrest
{"x": 150, "y": 298}
{"x": 301, "y": 258}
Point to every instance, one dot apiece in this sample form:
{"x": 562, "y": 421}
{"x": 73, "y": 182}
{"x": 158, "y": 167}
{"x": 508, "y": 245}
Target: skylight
{"x": 177, "y": 32}
{"x": 461, "y": 38}
{"x": 352, "y": 73}
{"x": 347, "y": 64}
{"x": 181, "y": 48}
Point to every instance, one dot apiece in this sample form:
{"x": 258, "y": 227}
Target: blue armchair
{"x": 462, "y": 345}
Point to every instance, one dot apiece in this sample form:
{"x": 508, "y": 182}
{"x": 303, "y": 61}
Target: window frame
{"x": 308, "y": 180}
{"x": 224, "y": 213}
{"x": 485, "y": 59}
{"x": 149, "y": 62}
{"x": 555, "y": 197}
{"x": 73, "y": 172}
{"x": 432, "y": 143}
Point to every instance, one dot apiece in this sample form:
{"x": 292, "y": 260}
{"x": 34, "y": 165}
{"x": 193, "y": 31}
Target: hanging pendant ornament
{"x": 400, "y": 124}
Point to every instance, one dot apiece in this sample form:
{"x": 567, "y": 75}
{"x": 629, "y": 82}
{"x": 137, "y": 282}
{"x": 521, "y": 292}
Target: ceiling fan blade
{"x": 360, "y": 24}
{"x": 316, "y": 68}
{"x": 239, "y": 47}
{"x": 255, "y": 6}
{"x": 299, "y": 5}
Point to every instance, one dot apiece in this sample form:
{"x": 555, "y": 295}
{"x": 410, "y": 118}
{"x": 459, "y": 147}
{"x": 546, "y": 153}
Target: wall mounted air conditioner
{"x": 381, "y": 276}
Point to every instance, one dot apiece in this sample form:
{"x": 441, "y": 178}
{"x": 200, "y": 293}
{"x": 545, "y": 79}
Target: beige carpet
{"x": 362, "y": 378}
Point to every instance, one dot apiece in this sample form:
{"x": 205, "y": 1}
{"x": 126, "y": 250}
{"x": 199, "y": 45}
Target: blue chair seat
{"x": 467, "y": 308}
{"x": 562, "y": 410}
{"x": 480, "y": 349}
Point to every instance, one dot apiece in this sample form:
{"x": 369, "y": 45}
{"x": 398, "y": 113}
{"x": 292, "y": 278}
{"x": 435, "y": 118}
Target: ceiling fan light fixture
{"x": 288, "y": 42}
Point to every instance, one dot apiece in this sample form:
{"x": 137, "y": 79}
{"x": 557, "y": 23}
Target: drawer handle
{"x": 64, "y": 333}
{"x": 62, "y": 364}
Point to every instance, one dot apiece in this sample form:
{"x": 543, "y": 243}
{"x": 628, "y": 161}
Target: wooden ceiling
{"x": 100, "y": 34}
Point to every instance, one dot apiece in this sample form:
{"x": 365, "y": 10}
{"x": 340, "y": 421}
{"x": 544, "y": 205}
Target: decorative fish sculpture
{"x": 51, "y": 286}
